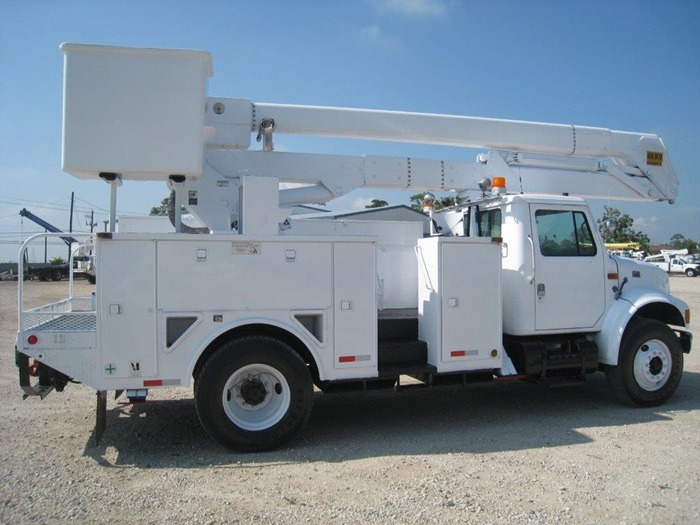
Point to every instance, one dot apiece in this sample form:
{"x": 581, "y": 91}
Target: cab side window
{"x": 564, "y": 233}
{"x": 489, "y": 223}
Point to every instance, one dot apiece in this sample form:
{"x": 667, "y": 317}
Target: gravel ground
{"x": 496, "y": 453}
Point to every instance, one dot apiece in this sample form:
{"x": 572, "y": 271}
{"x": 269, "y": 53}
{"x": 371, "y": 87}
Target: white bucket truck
{"x": 674, "y": 261}
{"x": 514, "y": 282}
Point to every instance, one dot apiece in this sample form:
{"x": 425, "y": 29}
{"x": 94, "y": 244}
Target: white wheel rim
{"x": 256, "y": 397}
{"x": 652, "y": 365}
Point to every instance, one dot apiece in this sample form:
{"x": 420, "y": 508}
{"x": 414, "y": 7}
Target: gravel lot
{"x": 497, "y": 453}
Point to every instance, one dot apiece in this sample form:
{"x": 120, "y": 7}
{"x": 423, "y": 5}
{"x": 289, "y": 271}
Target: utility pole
{"x": 70, "y": 222}
{"x": 92, "y": 222}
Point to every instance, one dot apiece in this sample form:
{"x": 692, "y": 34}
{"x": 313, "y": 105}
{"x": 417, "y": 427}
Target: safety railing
{"x": 69, "y": 314}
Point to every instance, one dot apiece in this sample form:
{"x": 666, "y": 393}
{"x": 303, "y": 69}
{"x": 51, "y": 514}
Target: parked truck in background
{"x": 259, "y": 308}
{"x": 674, "y": 261}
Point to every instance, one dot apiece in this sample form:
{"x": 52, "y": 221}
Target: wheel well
{"x": 663, "y": 312}
{"x": 261, "y": 329}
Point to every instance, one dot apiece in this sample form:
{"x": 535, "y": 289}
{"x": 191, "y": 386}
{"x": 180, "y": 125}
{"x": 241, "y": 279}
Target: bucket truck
{"x": 674, "y": 261}
{"x": 259, "y": 308}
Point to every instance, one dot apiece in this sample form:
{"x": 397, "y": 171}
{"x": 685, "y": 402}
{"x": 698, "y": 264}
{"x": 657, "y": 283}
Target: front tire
{"x": 650, "y": 364}
{"x": 254, "y": 393}
{"x": 690, "y": 272}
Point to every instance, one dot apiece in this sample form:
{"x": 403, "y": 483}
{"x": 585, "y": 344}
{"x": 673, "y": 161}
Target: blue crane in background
{"x": 48, "y": 226}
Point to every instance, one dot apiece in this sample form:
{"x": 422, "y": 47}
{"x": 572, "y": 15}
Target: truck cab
{"x": 560, "y": 288}
{"x": 554, "y": 266}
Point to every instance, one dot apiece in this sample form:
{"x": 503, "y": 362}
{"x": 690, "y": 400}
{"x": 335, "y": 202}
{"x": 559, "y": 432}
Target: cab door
{"x": 569, "y": 281}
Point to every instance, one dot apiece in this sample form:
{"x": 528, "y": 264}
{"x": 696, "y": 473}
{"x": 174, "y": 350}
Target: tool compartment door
{"x": 127, "y": 299}
{"x": 355, "y": 308}
{"x": 459, "y": 302}
{"x": 471, "y": 304}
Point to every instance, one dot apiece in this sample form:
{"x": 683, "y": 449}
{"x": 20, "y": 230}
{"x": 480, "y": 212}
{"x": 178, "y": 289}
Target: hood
{"x": 641, "y": 274}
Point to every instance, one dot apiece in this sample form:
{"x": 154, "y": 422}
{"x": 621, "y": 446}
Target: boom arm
{"x": 637, "y": 160}
{"x": 47, "y": 226}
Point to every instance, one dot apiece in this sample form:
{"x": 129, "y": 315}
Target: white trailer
{"x": 514, "y": 282}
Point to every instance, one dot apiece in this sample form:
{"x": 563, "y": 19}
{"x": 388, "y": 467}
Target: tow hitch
{"x": 48, "y": 378}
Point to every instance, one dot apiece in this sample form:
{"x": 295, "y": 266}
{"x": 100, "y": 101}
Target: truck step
{"x": 396, "y": 353}
{"x": 397, "y": 325}
{"x": 415, "y": 369}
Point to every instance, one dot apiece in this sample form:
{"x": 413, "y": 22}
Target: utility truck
{"x": 260, "y": 311}
{"x": 674, "y": 261}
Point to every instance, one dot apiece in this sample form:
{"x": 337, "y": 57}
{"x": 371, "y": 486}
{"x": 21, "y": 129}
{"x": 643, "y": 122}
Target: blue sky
{"x": 625, "y": 65}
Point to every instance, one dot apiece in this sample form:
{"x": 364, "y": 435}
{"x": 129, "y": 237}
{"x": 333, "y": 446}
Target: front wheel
{"x": 253, "y": 393}
{"x": 650, "y": 364}
{"x": 690, "y": 272}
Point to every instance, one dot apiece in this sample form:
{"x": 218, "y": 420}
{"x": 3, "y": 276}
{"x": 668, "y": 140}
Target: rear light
{"x": 32, "y": 339}
{"x": 687, "y": 316}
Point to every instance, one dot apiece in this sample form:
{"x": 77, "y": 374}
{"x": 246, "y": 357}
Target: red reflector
{"x": 346, "y": 359}
{"x": 152, "y": 382}
{"x": 32, "y": 339}
{"x": 458, "y": 353}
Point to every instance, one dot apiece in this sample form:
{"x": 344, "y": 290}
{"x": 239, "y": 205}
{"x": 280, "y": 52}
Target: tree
{"x": 623, "y": 231}
{"x": 417, "y": 202}
{"x": 162, "y": 209}
{"x": 377, "y": 203}
{"x": 57, "y": 260}
{"x": 679, "y": 242}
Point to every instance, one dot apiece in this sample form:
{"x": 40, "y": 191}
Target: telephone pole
{"x": 70, "y": 222}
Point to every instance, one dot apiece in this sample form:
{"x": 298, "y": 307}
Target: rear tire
{"x": 253, "y": 393}
{"x": 650, "y": 364}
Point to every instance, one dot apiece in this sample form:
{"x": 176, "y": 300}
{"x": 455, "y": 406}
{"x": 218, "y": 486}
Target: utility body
{"x": 257, "y": 307}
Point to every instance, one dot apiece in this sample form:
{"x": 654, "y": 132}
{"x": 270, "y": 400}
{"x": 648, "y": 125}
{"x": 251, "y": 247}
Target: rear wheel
{"x": 254, "y": 393}
{"x": 650, "y": 364}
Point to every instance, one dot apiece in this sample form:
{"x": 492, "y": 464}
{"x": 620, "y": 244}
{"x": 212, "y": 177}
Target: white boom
{"x": 535, "y": 157}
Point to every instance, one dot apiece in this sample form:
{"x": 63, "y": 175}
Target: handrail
{"x": 20, "y": 269}
{"x": 531, "y": 279}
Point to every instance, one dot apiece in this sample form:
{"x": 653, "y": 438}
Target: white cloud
{"x": 413, "y": 7}
{"x": 643, "y": 222}
{"x": 375, "y": 36}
